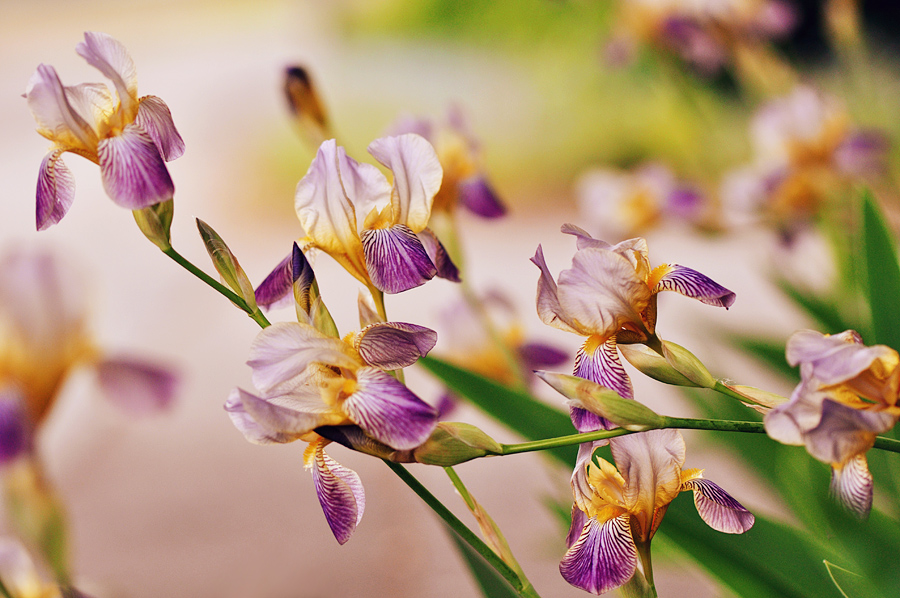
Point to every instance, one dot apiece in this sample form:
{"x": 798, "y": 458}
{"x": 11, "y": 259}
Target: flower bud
{"x": 455, "y": 442}
{"x": 355, "y": 439}
{"x": 679, "y": 366}
{"x": 226, "y": 264}
{"x": 606, "y": 403}
{"x": 155, "y": 222}
{"x": 761, "y": 400}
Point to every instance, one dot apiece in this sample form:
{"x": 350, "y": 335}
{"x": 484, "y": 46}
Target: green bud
{"x": 679, "y": 366}
{"x": 606, "y": 403}
{"x": 156, "y": 222}
{"x": 226, "y": 264}
{"x": 687, "y": 364}
{"x": 756, "y": 397}
{"x": 455, "y": 442}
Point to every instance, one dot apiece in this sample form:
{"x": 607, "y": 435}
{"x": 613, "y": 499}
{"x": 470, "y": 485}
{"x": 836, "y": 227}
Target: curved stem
{"x": 255, "y": 314}
{"x": 462, "y": 531}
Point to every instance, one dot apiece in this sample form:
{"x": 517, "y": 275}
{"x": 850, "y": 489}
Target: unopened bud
{"x": 226, "y": 264}
{"x": 679, "y": 366}
{"x": 606, "y": 403}
{"x": 455, "y": 442}
{"x": 156, "y": 222}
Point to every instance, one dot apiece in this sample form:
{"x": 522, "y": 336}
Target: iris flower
{"x": 309, "y": 380}
{"x": 618, "y": 508}
{"x": 847, "y": 396}
{"x": 609, "y": 296}
{"x": 393, "y": 250}
{"x": 130, "y": 138}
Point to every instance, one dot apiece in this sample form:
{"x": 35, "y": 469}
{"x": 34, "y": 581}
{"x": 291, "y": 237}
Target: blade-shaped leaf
{"x": 491, "y": 583}
{"x": 882, "y": 286}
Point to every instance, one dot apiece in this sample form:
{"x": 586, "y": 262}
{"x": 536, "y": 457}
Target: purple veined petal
{"x": 394, "y": 345}
{"x": 446, "y": 269}
{"x": 603, "y": 558}
{"x": 396, "y": 259}
{"x": 650, "y": 463}
{"x": 852, "y": 485}
{"x": 56, "y": 118}
{"x": 838, "y": 358}
{"x": 538, "y": 356}
{"x": 110, "y": 57}
{"x": 155, "y": 118}
{"x": 133, "y": 171}
{"x": 548, "y": 308}
{"x": 602, "y": 366}
{"x": 579, "y": 519}
{"x": 15, "y": 428}
{"x": 388, "y": 411}
{"x": 263, "y": 422}
{"x": 478, "y": 196}
{"x": 275, "y": 290}
{"x": 55, "y": 190}
{"x": 719, "y": 509}
{"x": 583, "y": 239}
{"x": 281, "y": 353}
{"x": 844, "y": 432}
{"x": 691, "y": 283}
{"x": 581, "y": 489}
{"x": 136, "y": 386}
{"x": 340, "y": 493}
{"x": 417, "y": 176}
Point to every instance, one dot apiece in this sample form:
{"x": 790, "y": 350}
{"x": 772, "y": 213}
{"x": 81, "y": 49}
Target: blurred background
{"x": 181, "y": 504}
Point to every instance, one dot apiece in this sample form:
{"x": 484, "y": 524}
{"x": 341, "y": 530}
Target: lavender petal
{"x": 154, "y": 117}
{"x": 133, "y": 171}
{"x": 136, "y": 386}
{"x": 478, "y": 196}
{"x": 438, "y": 255}
{"x": 340, "y": 493}
{"x": 394, "y": 345}
{"x": 718, "y": 509}
{"x": 55, "y": 190}
{"x": 691, "y": 283}
{"x": 15, "y": 427}
{"x": 275, "y": 289}
{"x": 603, "y": 558}
{"x": 852, "y": 486}
{"x": 396, "y": 259}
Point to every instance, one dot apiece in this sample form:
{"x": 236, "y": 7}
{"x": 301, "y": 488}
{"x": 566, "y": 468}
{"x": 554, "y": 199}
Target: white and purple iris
{"x": 309, "y": 380}
{"x": 393, "y": 250}
{"x": 130, "y": 138}
{"x": 847, "y": 395}
{"x": 609, "y": 296}
{"x": 618, "y": 508}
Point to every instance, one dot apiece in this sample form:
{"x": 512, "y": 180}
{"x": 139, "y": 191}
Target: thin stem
{"x": 460, "y": 487}
{"x": 643, "y": 549}
{"x": 722, "y": 425}
{"x": 462, "y": 531}
{"x": 255, "y": 314}
{"x": 4, "y": 592}
{"x": 549, "y": 443}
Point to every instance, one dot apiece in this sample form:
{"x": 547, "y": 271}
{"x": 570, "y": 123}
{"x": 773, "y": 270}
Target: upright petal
{"x": 110, "y": 57}
{"x": 582, "y": 237}
{"x": 852, "y": 485}
{"x": 394, "y": 345}
{"x": 155, "y": 118}
{"x": 603, "y": 558}
{"x": 57, "y": 120}
{"x": 396, "y": 260}
{"x": 137, "y": 386}
{"x": 548, "y": 308}
{"x": 55, "y": 190}
{"x": 478, "y": 196}
{"x": 718, "y": 509}
{"x": 283, "y": 351}
{"x": 388, "y": 411}
{"x": 690, "y": 283}
{"x": 133, "y": 171}
{"x": 417, "y": 176}
{"x": 340, "y": 493}
{"x": 275, "y": 289}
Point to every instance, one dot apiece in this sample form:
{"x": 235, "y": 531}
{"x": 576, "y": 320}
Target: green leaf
{"x": 848, "y": 583}
{"x": 490, "y": 582}
{"x": 518, "y": 410}
{"x": 882, "y": 288}
{"x": 829, "y": 318}
{"x": 768, "y": 352}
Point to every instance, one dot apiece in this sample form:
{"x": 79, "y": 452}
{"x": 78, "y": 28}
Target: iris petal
{"x": 852, "y": 485}
{"x": 691, "y": 283}
{"x": 56, "y": 118}
{"x": 601, "y": 366}
{"x": 133, "y": 171}
{"x": 340, "y": 493}
{"x": 137, "y": 386}
{"x": 478, "y": 196}
{"x": 155, "y": 118}
{"x": 548, "y": 308}
{"x": 110, "y": 57}
{"x": 603, "y": 558}
{"x": 396, "y": 259}
{"x": 262, "y": 422}
{"x": 275, "y": 290}
{"x": 417, "y": 176}
{"x": 55, "y": 190}
{"x": 718, "y": 508}
{"x": 388, "y": 411}
{"x": 395, "y": 345}
{"x": 844, "y": 432}
{"x": 438, "y": 255}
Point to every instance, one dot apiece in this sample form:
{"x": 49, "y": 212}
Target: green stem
{"x": 462, "y": 531}
{"x": 549, "y": 443}
{"x": 255, "y": 314}
{"x": 643, "y": 549}
{"x": 721, "y": 388}
{"x": 4, "y": 592}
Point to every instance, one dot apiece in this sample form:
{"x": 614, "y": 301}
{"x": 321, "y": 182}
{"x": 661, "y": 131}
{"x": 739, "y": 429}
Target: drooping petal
{"x": 283, "y": 351}
{"x": 340, "y": 493}
{"x": 602, "y": 291}
{"x": 598, "y": 361}
{"x": 56, "y": 118}
{"x": 788, "y": 422}
{"x": 394, "y": 345}
{"x": 55, "y": 190}
{"x": 548, "y": 308}
{"x": 844, "y": 432}
{"x": 275, "y": 290}
{"x": 396, "y": 260}
{"x": 155, "y": 118}
{"x": 137, "y": 386}
{"x": 579, "y": 519}
{"x": 690, "y": 283}
{"x": 133, "y": 171}
{"x": 478, "y": 196}
{"x": 718, "y": 509}
{"x": 388, "y": 411}
{"x": 15, "y": 427}
{"x": 264, "y": 422}
{"x": 438, "y": 255}
{"x": 537, "y": 356}
{"x": 110, "y": 57}
{"x": 417, "y": 177}
{"x": 603, "y": 558}
{"x": 852, "y": 485}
